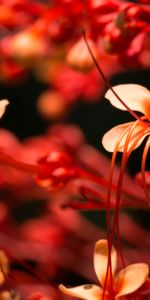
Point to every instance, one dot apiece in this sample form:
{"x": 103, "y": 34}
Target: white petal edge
{"x": 131, "y": 278}
{"x": 3, "y": 104}
{"x": 101, "y": 261}
{"x": 120, "y": 132}
{"x": 86, "y": 291}
{"x": 135, "y": 96}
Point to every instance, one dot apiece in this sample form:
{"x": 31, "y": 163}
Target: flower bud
{"x": 55, "y": 170}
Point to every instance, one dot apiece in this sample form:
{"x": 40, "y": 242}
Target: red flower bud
{"x": 55, "y": 170}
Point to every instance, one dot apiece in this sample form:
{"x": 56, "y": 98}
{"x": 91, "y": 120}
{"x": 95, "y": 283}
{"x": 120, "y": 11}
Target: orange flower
{"x": 137, "y": 98}
{"x": 125, "y": 282}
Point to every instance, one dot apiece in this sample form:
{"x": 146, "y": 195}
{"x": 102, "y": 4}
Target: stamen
{"x": 128, "y": 131}
{"x": 126, "y": 153}
{"x": 109, "y": 238}
{"x": 109, "y": 85}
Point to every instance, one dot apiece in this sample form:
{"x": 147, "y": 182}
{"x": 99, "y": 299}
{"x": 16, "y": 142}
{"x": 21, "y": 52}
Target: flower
{"x": 127, "y": 281}
{"x": 127, "y": 137}
{"x": 137, "y": 98}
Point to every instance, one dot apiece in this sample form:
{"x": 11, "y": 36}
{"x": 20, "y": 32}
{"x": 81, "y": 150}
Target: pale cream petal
{"x": 135, "y": 96}
{"x": 87, "y": 291}
{"x": 101, "y": 261}
{"x": 131, "y": 278}
{"x": 120, "y": 133}
{"x": 3, "y": 104}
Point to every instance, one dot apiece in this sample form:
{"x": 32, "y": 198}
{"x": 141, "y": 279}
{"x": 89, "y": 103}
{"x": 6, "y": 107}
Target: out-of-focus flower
{"x": 55, "y": 170}
{"x": 47, "y": 236}
{"x": 52, "y": 105}
{"x": 79, "y": 56}
{"x": 45, "y": 38}
{"x": 127, "y": 281}
{"x": 68, "y": 169}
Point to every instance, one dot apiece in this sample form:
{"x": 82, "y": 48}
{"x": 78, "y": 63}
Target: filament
{"x": 126, "y": 153}
{"x": 129, "y": 132}
{"x": 109, "y": 269}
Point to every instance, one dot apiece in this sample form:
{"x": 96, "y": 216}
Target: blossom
{"x": 127, "y": 137}
{"x": 137, "y": 98}
{"x": 127, "y": 281}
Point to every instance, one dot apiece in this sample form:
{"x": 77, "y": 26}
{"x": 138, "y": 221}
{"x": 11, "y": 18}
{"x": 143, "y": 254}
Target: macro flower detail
{"x": 137, "y": 98}
{"x": 127, "y": 137}
{"x": 127, "y": 281}
{"x": 57, "y": 57}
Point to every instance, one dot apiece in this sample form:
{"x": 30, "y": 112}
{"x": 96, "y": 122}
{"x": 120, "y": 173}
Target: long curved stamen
{"x": 144, "y": 158}
{"x": 109, "y": 85}
{"x": 119, "y": 189}
{"x": 129, "y": 132}
{"x": 127, "y": 152}
{"x": 108, "y": 225}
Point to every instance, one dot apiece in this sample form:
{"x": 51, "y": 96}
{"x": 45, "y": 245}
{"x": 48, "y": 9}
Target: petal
{"x": 87, "y": 291}
{"x": 112, "y": 136}
{"x": 3, "y": 104}
{"x": 135, "y": 96}
{"x": 131, "y": 278}
{"x": 101, "y": 261}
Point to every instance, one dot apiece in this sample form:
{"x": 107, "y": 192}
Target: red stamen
{"x": 109, "y": 238}
{"x": 126, "y": 153}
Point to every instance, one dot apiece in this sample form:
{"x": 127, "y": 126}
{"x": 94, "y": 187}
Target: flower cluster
{"x": 46, "y": 179}
{"x": 46, "y": 37}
